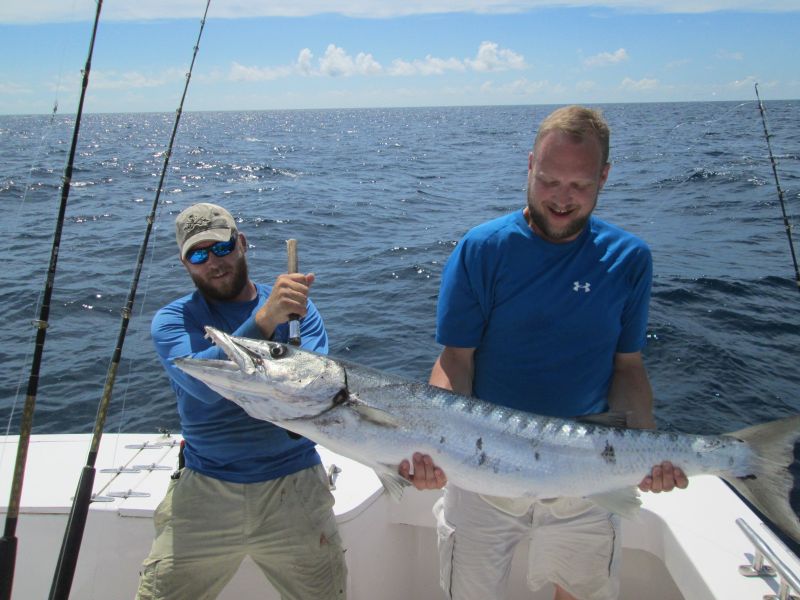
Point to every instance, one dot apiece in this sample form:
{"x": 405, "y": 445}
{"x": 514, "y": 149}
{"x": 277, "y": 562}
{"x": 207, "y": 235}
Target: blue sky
{"x": 355, "y": 53}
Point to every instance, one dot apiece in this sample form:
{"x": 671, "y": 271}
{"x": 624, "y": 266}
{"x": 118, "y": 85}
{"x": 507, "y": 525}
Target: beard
{"x": 224, "y": 291}
{"x": 538, "y": 217}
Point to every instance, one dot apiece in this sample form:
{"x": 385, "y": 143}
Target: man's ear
{"x": 604, "y": 174}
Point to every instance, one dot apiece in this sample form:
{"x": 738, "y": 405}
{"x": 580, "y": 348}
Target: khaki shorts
{"x": 573, "y": 543}
{"x": 205, "y": 527}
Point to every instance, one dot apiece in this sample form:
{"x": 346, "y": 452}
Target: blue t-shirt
{"x": 546, "y": 319}
{"x": 222, "y": 440}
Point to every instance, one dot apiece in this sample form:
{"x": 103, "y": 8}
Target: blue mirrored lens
{"x": 200, "y": 255}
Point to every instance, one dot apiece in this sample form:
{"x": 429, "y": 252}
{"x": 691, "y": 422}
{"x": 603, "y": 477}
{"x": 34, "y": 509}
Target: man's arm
{"x": 631, "y": 393}
{"x": 176, "y": 332}
{"x": 453, "y": 370}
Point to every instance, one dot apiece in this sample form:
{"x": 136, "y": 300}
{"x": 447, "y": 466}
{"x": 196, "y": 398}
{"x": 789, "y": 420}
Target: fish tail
{"x": 774, "y": 485}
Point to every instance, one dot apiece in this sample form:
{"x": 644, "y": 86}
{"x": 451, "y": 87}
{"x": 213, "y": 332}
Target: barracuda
{"x": 379, "y": 419}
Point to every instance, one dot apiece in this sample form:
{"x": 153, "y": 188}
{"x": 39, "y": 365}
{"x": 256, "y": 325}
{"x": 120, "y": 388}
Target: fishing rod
{"x": 70, "y": 548}
{"x": 8, "y": 543}
{"x": 786, "y": 223}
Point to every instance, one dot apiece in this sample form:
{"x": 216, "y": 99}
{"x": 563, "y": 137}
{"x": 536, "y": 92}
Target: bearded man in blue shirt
{"x": 248, "y": 487}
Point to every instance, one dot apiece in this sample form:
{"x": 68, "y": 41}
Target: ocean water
{"x": 377, "y": 199}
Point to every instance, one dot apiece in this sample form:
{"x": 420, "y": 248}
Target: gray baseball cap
{"x": 203, "y": 222}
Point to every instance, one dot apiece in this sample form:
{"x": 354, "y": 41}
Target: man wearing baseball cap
{"x": 247, "y": 487}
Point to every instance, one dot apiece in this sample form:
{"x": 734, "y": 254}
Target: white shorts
{"x": 573, "y": 543}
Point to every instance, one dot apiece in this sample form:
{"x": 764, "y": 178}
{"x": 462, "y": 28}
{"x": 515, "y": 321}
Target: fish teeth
{"x": 231, "y": 349}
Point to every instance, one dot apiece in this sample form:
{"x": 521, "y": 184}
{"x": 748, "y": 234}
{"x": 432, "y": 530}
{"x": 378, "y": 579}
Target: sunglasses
{"x": 200, "y": 255}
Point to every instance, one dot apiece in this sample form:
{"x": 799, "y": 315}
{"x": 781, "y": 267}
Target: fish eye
{"x": 277, "y": 351}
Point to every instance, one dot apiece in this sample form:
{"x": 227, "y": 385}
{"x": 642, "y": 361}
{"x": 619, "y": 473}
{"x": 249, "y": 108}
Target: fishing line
{"x": 696, "y": 140}
{"x": 70, "y": 548}
{"x": 786, "y": 224}
{"x": 8, "y": 543}
{"x": 62, "y": 54}
{"x": 36, "y": 160}
{"x": 143, "y": 302}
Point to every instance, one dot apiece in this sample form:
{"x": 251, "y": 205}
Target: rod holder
{"x": 789, "y": 583}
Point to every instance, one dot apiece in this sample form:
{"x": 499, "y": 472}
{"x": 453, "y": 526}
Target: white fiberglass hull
{"x": 685, "y": 545}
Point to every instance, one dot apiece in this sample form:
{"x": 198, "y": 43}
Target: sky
{"x": 299, "y": 54}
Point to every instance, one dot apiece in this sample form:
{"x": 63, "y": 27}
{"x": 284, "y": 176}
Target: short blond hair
{"x": 580, "y": 122}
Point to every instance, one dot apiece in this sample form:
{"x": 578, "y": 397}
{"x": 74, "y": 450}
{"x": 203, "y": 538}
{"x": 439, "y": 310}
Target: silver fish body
{"x": 504, "y": 452}
{"x": 379, "y": 419}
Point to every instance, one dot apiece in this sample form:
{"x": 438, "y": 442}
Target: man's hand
{"x": 427, "y": 476}
{"x": 664, "y": 478}
{"x": 289, "y": 296}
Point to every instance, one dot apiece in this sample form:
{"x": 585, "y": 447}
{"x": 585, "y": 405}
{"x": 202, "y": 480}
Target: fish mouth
{"x": 242, "y": 360}
{"x": 240, "y": 355}
{"x": 268, "y": 379}
{"x": 202, "y": 369}
{"x": 240, "y": 379}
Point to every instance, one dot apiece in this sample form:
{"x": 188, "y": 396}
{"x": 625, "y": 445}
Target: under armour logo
{"x": 578, "y": 286}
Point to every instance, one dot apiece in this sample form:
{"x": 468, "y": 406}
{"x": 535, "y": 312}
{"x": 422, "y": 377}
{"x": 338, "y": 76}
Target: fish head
{"x": 270, "y": 380}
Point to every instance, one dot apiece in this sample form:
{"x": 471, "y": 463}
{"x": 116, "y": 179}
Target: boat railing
{"x": 767, "y": 564}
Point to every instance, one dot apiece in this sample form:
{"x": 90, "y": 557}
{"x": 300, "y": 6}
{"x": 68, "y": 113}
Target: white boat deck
{"x": 685, "y": 544}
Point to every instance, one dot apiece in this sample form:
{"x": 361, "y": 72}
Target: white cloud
{"x": 402, "y": 68}
{"x": 640, "y": 85}
{"x": 54, "y": 11}
{"x": 427, "y": 66}
{"x": 366, "y": 65}
{"x": 304, "y": 59}
{"x": 337, "y": 62}
{"x": 491, "y": 57}
{"x": 605, "y": 59}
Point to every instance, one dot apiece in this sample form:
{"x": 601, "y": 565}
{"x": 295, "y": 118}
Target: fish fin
{"x": 624, "y": 502}
{"x": 774, "y": 485}
{"x": 393, "y": 483}
{"x": 607, "y": 419}
{"x": 375, "y": 415}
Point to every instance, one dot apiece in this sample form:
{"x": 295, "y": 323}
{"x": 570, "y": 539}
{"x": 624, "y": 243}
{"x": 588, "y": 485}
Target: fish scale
{"x": 380, "y": 419}
{"x": 573, "y": 459}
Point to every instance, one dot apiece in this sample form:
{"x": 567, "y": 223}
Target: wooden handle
{"x": 291, "y": 249}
